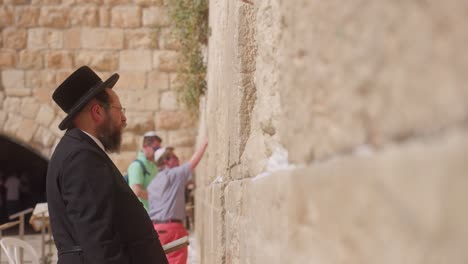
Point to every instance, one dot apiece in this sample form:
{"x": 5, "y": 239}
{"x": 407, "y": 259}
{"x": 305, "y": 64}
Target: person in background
{"x": 143, "y": 170}
{"x": 12, "y": 185}
{"x": 95, "y": 217}
{"x": 167, "y": 197}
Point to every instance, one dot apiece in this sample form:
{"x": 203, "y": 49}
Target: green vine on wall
{"x": 190, "y": 27}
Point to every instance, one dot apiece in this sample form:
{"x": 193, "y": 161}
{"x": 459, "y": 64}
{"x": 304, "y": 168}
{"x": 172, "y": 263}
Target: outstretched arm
{"x": 198, "y": 155}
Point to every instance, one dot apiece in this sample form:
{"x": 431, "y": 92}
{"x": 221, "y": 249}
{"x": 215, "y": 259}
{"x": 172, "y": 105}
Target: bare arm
{"x": 139, "y": 191}
{"x": 198, "y": 155}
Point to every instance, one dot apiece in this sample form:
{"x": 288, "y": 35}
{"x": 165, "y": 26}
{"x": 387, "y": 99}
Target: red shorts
{"x": 169, "y": 232}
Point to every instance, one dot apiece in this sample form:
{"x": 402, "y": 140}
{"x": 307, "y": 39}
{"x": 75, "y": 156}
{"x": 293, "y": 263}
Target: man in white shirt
{"x": 12, "y": 185}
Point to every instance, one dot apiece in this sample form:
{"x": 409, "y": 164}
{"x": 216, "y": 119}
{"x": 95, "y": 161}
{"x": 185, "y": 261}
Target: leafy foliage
{"x": 190, "y": 27}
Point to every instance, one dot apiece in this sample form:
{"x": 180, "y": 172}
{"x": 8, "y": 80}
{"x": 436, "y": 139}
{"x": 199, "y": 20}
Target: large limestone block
{"x": 369, "y": 72}
{"x": 405, "y": 205}
{"x": 155, "y": 16}
{"x": 171, "y": 120}
{"x": 44, "y": 137}
{"x": 7, "y": 59}
{"x": 86, "y": 16}
{"x": 54, "y": 16}
{"x": 102, "y": 38}
{"x": 132, "y": 80}
{"x": 165, "y": 60}
{"x": 72, "y": 38}
{"x": 139, "y": 122}
{"x": 122, "y": 160}
{"x": 126, "y": 16}
{"x": 182, "y": 137}
{"x": 44, "y": 38}
{"x": 59, "y": 60}
{"x": 14, "y": 38}
{"x": 45, "y": 116}
{"x": 135, "y": 60}
{"x": 29, "y": 107}
{"x": 27, "y": 16}
{"x": 98, "y": 60}
{"x": 12, "y": 79}
{"x": 31, "y": 59}
{"x": 140, "y": 39}
{"x": 6, "y": 15}
{"x": 158, "y": 80}
{"x": 13, "y": 122}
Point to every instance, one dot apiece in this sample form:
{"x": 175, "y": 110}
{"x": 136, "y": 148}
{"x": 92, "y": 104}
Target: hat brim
{"x": 109, "y": 83}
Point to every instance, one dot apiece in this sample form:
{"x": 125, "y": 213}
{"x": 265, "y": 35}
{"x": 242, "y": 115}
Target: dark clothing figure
{"x": 92, "y": 207}
{"x": 94, "y": 215}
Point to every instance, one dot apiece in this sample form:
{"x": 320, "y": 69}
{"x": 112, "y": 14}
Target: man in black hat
{"x": 94, "y": 215}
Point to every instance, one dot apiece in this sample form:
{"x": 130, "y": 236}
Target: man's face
{"x": 150, "y": 149}
{"x": 111, "y": 129}
{"x": 172, "y": 162}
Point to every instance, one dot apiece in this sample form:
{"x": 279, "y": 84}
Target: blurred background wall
{"x": 43, "y": 41}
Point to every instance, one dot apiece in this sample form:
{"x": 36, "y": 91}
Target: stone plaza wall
{"x": 43, "y": 41}
{"x": 337, "y": 133}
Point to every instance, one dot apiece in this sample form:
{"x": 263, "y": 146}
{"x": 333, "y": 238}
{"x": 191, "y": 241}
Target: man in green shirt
{"x": 138, "y": 177}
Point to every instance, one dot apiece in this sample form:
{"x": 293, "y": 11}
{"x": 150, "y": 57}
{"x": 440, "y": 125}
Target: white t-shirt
{"x": 12, "y": 185}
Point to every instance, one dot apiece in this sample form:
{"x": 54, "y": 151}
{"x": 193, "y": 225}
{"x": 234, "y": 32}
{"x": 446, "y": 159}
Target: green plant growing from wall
{"x": 189, "y": 19}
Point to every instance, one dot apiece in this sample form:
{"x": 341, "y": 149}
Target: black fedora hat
{"x": 77, "y": 90}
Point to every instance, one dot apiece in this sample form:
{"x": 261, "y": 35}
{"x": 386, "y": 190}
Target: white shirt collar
{"x": 98, "y": 142}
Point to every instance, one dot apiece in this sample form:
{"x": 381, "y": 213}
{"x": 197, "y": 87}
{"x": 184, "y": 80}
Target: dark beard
{"x": 110, "y": 136}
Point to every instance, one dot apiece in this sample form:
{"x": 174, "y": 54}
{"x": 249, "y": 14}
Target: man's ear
{"x": 97, "y": 113}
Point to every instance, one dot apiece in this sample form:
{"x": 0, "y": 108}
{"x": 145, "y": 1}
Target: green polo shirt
{"x": 136, "y": 174}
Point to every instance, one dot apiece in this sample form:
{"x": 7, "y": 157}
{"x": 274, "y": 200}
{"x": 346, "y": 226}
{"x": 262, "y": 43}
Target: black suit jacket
{"x": 92, "y": 207}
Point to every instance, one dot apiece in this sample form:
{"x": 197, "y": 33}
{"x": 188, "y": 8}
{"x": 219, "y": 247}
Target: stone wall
{"x": 338, "y": 133}
{"x": 43, "y": 41}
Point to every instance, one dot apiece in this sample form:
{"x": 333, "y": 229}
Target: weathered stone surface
{"x": 14, "y": 38}
{"x": 139, "y": 122}
{"x": 182, "y": 138}
{"x": 167, "y": 40}
{"x": 84, "y": 16}
{"x": 26, "y": 130}
{"x": 3, "y": 118}
{"x": 72, "y": 38}
{"x": 29, "y": 108}
{"x": 44, "y": 137}
{"x": 12, "y": 124}
{"x": 155, "y": 16}
{"x": 126, "y": 17}
{"x": 170, "y": 120}
{"x": 2, "y": 96}
{"x": 6, "y": 15}
{"x": 12, "y": 105}
{"x": 30, "y": 59}
{"x": 54, "y": 17}
{"x": 26, "y": 16}
{"x": 378, "y": 91}
{"x": 102, "y": 38}
{"x": 135, "y": 60}
{"x": 169, "y": 101}
{"x": 7, "y": 59}
{"x": 45, "y": 115}
{"x": 40, "y": 79}
{"x": 59, "y": 60}
{"x": 117, "y": 2}
{"x": 98, "y": 60}
{"x": 132, "y": 80}
{"x": 41, "y": 38}
{"x": 12, "y": 79}
{"x": 123, "y": 159}
{"x": 93, "y": 2}
{"x": 16, "y": 2}
{"x": 104, "y": 16}
{"x": 147, "y": 100}
{"x": 149, "y": 2}
{"x": 45, "y": 2}
{"x": 129, "y": 142}
{"x": 140, "y": 39}
{"x": 158, "y": 80}
{"x": 165, "y": 60}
